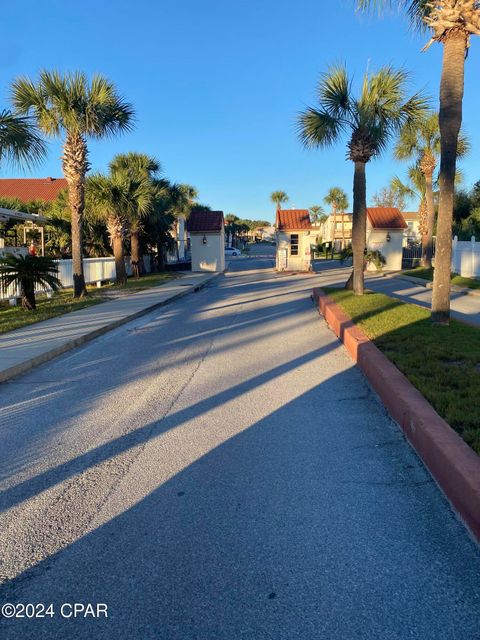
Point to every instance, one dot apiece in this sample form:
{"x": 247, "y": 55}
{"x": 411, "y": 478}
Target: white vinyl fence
{"x": 95, "y": 270}
{"x": 466, "y": 257}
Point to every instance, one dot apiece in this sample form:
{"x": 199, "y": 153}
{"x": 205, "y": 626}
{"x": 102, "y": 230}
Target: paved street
{"x": 218, "y": 469}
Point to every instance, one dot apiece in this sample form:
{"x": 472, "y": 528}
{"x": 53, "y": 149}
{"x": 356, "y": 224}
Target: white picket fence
{"x": 95, "y": 270}
{"x": 466, "y": 257}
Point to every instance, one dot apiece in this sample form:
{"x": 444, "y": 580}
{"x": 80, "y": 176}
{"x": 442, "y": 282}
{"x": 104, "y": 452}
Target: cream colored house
{"x": 294, "y": 237}
{"x": 385, "y": 229}
{"x": 207, "y": 240}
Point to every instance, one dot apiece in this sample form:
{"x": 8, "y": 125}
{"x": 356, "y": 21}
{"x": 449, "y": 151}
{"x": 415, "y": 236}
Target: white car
{"x": 232, "y": 251}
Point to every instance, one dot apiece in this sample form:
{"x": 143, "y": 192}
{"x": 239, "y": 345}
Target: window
{"x": 294, "y": 244}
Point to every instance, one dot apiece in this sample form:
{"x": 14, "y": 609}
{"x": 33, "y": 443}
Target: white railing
{"x": 95, "y": 270}
{"x": 466, "y": 257}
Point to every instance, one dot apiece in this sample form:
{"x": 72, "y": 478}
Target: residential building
{"x": 29, "y": 189}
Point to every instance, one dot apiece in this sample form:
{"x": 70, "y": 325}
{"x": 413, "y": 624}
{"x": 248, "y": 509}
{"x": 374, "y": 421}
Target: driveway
{"x": 220, "y": 470}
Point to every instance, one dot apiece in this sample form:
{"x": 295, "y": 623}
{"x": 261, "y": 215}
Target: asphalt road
{"x": 219, "y": 469}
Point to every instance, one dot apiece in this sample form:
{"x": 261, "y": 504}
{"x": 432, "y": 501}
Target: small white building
{"x": 207, "y": 240}
{"x": 294, "y": 237}
{"x": 385, "y": 229}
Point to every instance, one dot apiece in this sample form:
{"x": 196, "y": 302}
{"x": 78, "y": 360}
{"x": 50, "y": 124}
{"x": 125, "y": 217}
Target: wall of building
{"x": 210, "y": 256}
{"x": 294, "y": 263}
{"x": 392, "y": 251}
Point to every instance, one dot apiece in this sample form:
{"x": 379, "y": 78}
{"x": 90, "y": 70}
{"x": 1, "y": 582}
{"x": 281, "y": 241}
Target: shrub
{"x": 377, "y": 258}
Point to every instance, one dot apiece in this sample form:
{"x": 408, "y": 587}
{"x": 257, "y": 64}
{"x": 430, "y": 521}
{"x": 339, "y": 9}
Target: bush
{"x": 345, "y": 254}
{"x": 377, "y": 258}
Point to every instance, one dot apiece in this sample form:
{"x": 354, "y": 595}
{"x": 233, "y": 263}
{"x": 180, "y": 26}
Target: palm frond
{"x": 69, "y": 103}
{"x": 417, "y": 10}
{"x": 20, "y": 143}
{"x": 334, "y": 91}
{"x": 318, "y": 128}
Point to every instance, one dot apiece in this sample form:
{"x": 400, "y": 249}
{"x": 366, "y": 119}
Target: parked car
{"x": 232, "y": 251}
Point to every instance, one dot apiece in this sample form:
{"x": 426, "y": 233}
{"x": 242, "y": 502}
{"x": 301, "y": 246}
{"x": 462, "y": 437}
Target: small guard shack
{"x": 385, "y": 231}
{"x": 207, "y": 240}
{"x": 293, "y": 234}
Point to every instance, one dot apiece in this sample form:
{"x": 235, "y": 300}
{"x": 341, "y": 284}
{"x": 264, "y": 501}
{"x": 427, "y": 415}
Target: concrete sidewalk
{"x": 25, "y": 348}
{"x": 465, "y": 308}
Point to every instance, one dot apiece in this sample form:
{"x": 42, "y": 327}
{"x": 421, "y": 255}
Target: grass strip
{"x": 62, "y": 302}
{"x": 443, "y": 363}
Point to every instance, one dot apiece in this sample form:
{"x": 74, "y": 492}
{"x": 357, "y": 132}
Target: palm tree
{"x": 338, "y": 200}
{"x": 370, "y": 121}
{"x": 451, "y": 22}
{"x": 422, "y": 144}
{"x": 143, "y": 170}
{"x": 414, "y": 188}
{"x": 278, "y": 197}
{"x": 29, "y": 272}
{"x": 20, "y": 143}
{"x": 71, "y": 107}
{"x": 316, "y": 212}
{"x": 118, "y": 199}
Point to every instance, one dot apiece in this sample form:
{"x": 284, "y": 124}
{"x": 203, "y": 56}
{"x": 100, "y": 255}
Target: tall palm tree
{"x": 20, "y": 143}
{"x": 142, "y": 169}
{"x": 278, "y": 197}
{"x": 71, "y": 107}
{"x": 117, "y": 199}
{"x": 422, "y": 144}
{"x": 29, "y": 272}
{"x": 370, "y": 121}
{"x": 451, "y": 23}
{"x": 338, "y": 200}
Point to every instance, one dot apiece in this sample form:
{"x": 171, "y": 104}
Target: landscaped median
{"x": 428, "y": 378}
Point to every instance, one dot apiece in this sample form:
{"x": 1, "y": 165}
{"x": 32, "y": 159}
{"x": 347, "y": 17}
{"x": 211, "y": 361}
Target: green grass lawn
{"x": 62, "y": 302}
{"x": 442, "y": 362}
{"x": 427, "y": 274}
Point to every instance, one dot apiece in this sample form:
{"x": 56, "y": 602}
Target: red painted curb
{"x": 454, "y": 466}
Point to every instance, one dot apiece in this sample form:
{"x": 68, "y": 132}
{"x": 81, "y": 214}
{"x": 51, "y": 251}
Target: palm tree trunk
{"x": 161, "y": 256}
{"x": 115, "y": 230}
{"x": 450, "y": 120}
{"x": 137, "y": 258}
{"x": 27, "y": 292}
{"x": 427, "y": 249}
{"x": 359, "y": 229}
{"x": 75, "y": 166}
{"x": 119, "y": 255}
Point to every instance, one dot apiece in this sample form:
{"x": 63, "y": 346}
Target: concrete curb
{"x": 16, "y": 370}
{"x": 454, "y": 466}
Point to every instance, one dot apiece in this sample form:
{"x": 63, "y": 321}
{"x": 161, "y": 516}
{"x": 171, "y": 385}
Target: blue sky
{"x": 217, "y": 85}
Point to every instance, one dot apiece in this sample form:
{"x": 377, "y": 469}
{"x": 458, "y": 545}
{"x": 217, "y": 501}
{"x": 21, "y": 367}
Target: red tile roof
{"x": 205, "y": 221}
{"x": 27, "y": 189}
{"x": 293, "y": 219}
{"x": 386, "y": 218}
{"x": 410, "y": 215}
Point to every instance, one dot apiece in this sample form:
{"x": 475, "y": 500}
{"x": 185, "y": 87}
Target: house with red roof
{"x": 207, "y": 240}
{"x": 385, "y": 231}
{"x": 293, "y": 229}
{"x": 28, "y": 189}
